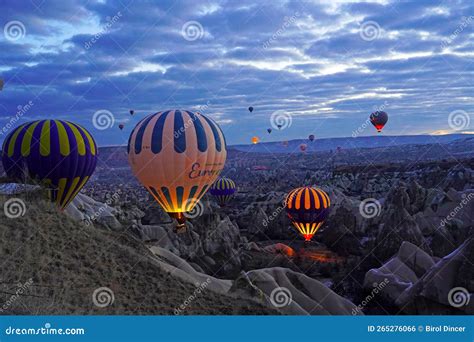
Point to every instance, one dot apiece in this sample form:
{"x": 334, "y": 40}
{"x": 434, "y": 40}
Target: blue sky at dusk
{"x": 325, "y": 64}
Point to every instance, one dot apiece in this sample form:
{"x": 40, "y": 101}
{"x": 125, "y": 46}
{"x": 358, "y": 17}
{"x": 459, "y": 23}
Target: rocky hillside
{"x": 60, "y": 263}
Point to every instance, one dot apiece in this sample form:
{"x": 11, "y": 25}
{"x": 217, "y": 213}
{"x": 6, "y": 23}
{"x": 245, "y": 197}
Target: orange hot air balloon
{"x": 255, "y": 140}
{"x": 285, "y": 143}
{"x": 177, "y": 155}
{"x": 303, "y": 147}
{"x": 307, "y": 208}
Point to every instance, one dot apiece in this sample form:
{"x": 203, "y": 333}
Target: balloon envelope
{"x": 121, "y": 126}
{"x": 307, "y": 208}
{"x": 269, "y": 130}
{"x": 255, "y": 140}
{"x": 303, "y": 147}
{"x": 177, "y": 155}
{"x": 132, "y": 112}
{"x": 311, "y": 137}
{"x": 59, "y": 154}
{"x": 379, "y": 119}
{"x": 223, "y": 189}
{"x": 250, "y": 109}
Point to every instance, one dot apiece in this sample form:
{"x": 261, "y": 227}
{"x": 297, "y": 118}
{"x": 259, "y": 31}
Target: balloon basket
{"x": 180, "y": 227}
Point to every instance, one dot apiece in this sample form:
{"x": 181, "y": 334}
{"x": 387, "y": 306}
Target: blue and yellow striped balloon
{"x": 223, "y": 189}
{"x": 177, "y": 155}
{"x": 307, "y": 208}
{"x": 59, "y": 154}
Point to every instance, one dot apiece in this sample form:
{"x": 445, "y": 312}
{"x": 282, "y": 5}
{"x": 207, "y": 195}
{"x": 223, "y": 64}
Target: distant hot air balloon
{"x": 250, "y": 109}
{"x": 121, "y": 126}
{"x": 303, "y": 147}
{"x": 379, "y": 119}
{"x": 269, "y": 130}
{"x": 132, "y": 112}
{"x": 60, "y": 155}
{"x": 177, "y": 155}
{"x": 223, "y": 189}
{"x": 307, "y": 208}
{"x": 255, "y": 140}
{"x": 285, "y": 143}
{"x": 1, "y": 84}
{"x": 279, "y": 126}
{"x": 311, "y": 137}
{"x": 339, "y": 149}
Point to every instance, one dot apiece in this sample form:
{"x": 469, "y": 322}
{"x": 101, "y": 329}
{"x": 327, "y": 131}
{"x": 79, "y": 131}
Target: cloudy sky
{"x": 322, "y": 66}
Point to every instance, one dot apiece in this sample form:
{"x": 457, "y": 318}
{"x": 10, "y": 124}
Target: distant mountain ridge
{"x": 328, "y": 144}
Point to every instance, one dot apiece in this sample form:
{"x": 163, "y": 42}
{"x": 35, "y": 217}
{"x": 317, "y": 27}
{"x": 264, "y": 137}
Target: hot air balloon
{"x": 1, "y": 84}
{"x": 60, "y": 155}
{"x": 279, "y": 126}
{"x": 379, "y": 119}
{"x": 121, "y": 126}
{"x": 250, "y": 109}
{"x": 307, "y": 208}
{"x": 132, "y": 112}
{"x": 303, "y": 147}
{"x": 285, "y": 143}
{"x": 339, "y": 149}
{"x": 311, "y": 137}
{"x": 269, "y": 130}
{"x": 223, "y": 189}
{"x": 255, "y": 140}
{"x": 177, "y": 155}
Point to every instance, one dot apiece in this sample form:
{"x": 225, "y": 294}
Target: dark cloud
{"x": 309, "y": 59}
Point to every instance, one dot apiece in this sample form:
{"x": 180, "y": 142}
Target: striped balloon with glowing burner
{"x": 307, "y": 208}
{"x": 177, "y": 155}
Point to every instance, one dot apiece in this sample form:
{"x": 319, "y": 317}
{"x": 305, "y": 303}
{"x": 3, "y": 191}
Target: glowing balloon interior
{"x": 307, "y": 208}
{"x": 379, "y": 119}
